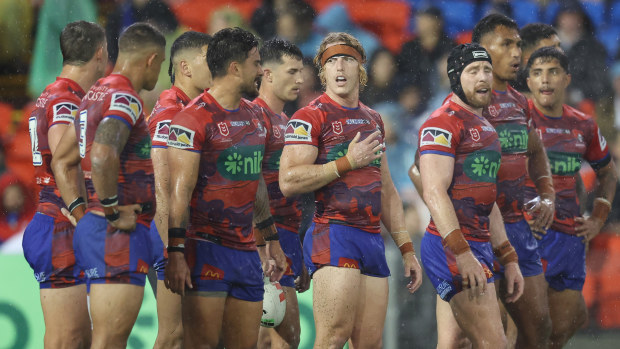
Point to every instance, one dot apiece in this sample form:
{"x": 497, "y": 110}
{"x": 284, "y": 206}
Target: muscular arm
{"x": 159, "y": 156}
{"x": 66, "y": 166}
{"x": 261, "y": 205}
{"x": 607, "y": 180}
{"x": 183, "y": 167}
{"x": 392, "y": 213}
{"x": 298, "y": 172}
{"x": 497, "y": 227}
{"x": 436, "y": 172}
{"x": 110, "y": 139}
{"x": 54, "y": 134}
{"x": 538, "y": 164}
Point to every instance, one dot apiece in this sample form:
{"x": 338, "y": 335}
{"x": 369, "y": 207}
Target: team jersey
{"x": 114, "y": 97}
{"x": 472, "y": 141}
{"x": 170, "y": 102}
{"x": 509, "y": 114}
{"x": 57, "y": 105}
{"x": 231, "y": 144}
{"x": 568, "y": 139}
{"x": 354, "y": 199}
{"x": 285, "y": 211}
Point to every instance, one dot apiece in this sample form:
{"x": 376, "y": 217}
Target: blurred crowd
{"x": 407, "y": 42}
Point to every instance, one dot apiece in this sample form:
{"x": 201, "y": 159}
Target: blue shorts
{"x": 440, "y": 264}
{"x": 291, "y": 245}
{"x": 217, "y": 268}
{"x": 521, "y": 238}
{"x": 564, "y": 260}
{"x": 48, "y": 248}
{"x": 160, "y": 256}
{"x": 108, "y": 255}
{"x": 346, "y": 247}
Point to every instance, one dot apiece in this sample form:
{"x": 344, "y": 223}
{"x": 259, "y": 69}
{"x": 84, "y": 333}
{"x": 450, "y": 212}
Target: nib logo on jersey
{"x": 341, "y": 150}
{"x": 513, "y": 138}
{"x": 564, "y": 164}
{"x": 273, "y": 161}
{"x": 241, "y": 163}
{"x": 181, "y": 137}
{"x": 482, "y": 166}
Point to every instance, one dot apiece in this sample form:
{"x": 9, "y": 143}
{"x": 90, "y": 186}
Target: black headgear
{"x": 460, "y": 57}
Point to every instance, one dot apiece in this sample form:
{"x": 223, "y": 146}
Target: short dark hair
{"x": 532, "y": 33}
{"x": 138, "y": 36}
{"x": 79, "y": 41}
{"x": 547, "y": 54}
{"x": 229, "y": 45}
{"x": 274, "y": 49}
{"x": 186, "y": 41}
{"x": 489, "y": 23}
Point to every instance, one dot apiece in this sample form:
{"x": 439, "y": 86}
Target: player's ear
{"x": 267, "y": 74}
{"x": 234, "y": 68}
{"x": 568, "y": 79}
{"x": 528, "y": 84}
{"x": 151, "y": 59}
{"x": 185, "y": 68}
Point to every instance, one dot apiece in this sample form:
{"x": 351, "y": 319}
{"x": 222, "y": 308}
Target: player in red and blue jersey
{"x": 459, "y": 162}
{"x": 216, "y": 148}
{"x": 282, "y": 78}
{"x": 569, "y": 137}
{"x": 334, "y": 148}
{"x": 48, "y": 239}
{"x": 522, "y": 152}
{"x": 190, "y": 76}
{"x": 112, "y": 241}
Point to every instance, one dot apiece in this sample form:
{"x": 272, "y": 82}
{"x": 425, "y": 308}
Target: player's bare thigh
{"x": 65, "y": 312}
{"x": 203, "y": 315}
{"x": 170, "y": 327}
{"x": 371, "y": 311}
{"x": 240, "y": 326}
{"x": 449, "y": 333}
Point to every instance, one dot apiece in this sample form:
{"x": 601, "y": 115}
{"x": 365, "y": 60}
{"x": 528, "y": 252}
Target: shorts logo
{"x": 127, "y": 104}
{"x": 241, "y": 163}
{"x": 475, "y": 135}
{"x": 64, "y": 112}
{"x": 91, "y": 273}
{"x": 288, "y": 270}
{"x": 443, "y": 289}
{"x": 298, "y": 130}
{"x": 348, "y": 263}
{"x": 40, "y": 276}
{"x": 162, "y": 130}
{"x": 487, "y": 272}
{"x": 181, "y": 137}
{"x": 337, "y": 127}
{"x": 436, "y": 136}
{"x": 513, "y": 138}
{"x": 276, "y": 132}
{"x": 210, "y": 272}
{"x": 142, "y": 267}
{"x": 602, "y": 140}
{"x": 224, "y": 131}
{"x": 482, "y": 166}
{"x": 493, "y": 111}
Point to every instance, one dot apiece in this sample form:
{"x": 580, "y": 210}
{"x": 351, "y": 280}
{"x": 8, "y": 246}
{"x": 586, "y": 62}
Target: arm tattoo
{"x": 112, "y": 132}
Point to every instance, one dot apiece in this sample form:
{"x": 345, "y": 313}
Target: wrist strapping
{"x": 109, "y": 202}
{"x": 505, "y": 253}
{"x": 343, "y": 165}
{"x": 114, "y": 216}
{"x": 176, "y": 237}
{"x": 601, "y": 209}
{"x": 403, "y": 241}
{"x": 456, "y": 242}
{"x": 77, "y": 202}
{"x": 176, "y": 248}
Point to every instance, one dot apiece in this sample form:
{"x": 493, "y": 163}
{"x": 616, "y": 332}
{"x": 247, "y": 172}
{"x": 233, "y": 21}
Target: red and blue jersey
{"x": 354, "y": 199}
{"x": 568, "y": 139}
{"x": 509, "y": 114}
{"x": 472, "y": 141}
{"x": 115, "y": 97}
{"x": 231, "y": 144}
{"x": 57, "y": 105}
{"x": 170, "y": 102}
{"x": 285, "y": 211}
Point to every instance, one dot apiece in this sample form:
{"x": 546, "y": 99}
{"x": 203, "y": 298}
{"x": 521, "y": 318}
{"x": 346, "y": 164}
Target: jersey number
{"x": 37, "y": 159}
{"x": 82, "y": 142}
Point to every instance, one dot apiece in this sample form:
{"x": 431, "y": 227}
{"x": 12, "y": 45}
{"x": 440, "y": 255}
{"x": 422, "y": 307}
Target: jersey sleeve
{"x": 159, "y": 127}
{"x": 186, "y": 132}
{"x": 304, "y": 128}
{"x": 439, "y": 135}
{"x": 62, "y": 111}
{"x": 597, "y": 153}
{"x": 125, "y": 106}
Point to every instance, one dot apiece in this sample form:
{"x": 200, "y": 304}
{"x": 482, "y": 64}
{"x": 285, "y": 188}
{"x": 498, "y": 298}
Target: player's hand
{"x": 128, "y": 217}
{"x": 474, "y": 278}
{"x": 177, "y": 274}
{"x": 413, "y": 271}
{"x": 69, "y": 216}
{"x": 274, "y": 271}
{"x": 362, "y": 153}
{"x": 302, "y": 283}
{"x": 588, "y": 227}
{"x": 544, "y": 212}
{"x": 514, "y": 282}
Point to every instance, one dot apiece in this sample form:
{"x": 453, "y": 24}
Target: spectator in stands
{"x": 381, "y": 71}
{"x": 129, "y": 12}
{"x": 16, "y": 208}
{"x": 15, "y": 35}
{"x": 295, "y": 25}
{"x": 586, "y": 55}
{"x": 265, "y": 17}
{"x": 225, "y": 17}
{"x": 418, "y": 58}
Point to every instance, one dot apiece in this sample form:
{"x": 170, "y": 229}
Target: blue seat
{"x": 596, "y": 11}
{"x": 459, "y": 16}
{"x": 610, "y": 38}
{"x": 525, "y": 12}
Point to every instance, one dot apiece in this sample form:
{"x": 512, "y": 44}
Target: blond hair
{"x": 348, "y": 40}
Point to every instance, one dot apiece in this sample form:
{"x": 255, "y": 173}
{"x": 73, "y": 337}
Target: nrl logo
{"x": 337, "y": 127}
{"x": 475, "y": 135}
{"x": 493, "y": 111}
{"x": 224, "y": 131}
